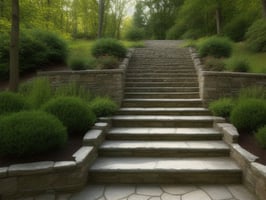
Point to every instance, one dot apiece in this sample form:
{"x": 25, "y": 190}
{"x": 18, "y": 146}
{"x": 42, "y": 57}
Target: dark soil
{"x": 64, "y": 154}
{"x": 248, "y": 142}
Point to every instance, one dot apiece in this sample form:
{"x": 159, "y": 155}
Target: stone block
{"x": 30, "y": 168}
{"x": 93, "y": 138}
{"x": 8, "y": 186}
{"x": 230, "y": 133}
{"x": 83, "y": 154}
{"x": 3, "y": 172}
{"x": 65, "y": 165}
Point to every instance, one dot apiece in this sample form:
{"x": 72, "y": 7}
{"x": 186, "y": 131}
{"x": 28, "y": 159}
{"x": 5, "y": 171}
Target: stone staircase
{"x": 162, "y": 133}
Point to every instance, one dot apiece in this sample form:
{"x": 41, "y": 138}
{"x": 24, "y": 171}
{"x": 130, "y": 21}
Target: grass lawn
{"x": 257, "y": 61}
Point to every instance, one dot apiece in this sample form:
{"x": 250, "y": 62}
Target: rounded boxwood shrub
{"x": 249, "y": 114}
{"x": 238, "y": 65}
{"x": 135, "y": 34}
{"x": 110, "y": 47}
{"x": 222, "y": 107}
{"x": 73, "y": 112}
{"x": 215, "y": 46}
{"x": 108, "y": 62}
{"x": 12, "y": 102}
{"x": 261, "y": 136}
{"x": 30, "y": 132}
{"x": 256, "y": 36}
{"x": 77, "y": 63}
{"x": 103, "y": 107}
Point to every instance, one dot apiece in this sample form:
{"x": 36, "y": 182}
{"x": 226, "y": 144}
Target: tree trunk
{"x": 264, "y": 8}
{"x": 218, "y": 20}
{"x": 101, "y": 18}
{"x": 14, "y": 48}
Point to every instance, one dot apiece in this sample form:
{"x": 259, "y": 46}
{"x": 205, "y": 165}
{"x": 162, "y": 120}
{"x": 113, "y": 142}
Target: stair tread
{"x": 162, "y": 109}
{"x": 161, "y": 100}
{"x": 160, "y": 145}
{"x": 164, "y": 164}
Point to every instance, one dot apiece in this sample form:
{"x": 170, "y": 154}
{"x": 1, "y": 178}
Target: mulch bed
{"x": 248, "y": 142}
{"x": 64, "y": 154}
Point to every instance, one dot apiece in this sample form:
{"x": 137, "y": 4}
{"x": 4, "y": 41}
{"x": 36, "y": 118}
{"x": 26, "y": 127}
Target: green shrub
{"x": 73, "y": 112}
{"x": 135, "y": 34}
{"x": 28, "y": 133}
{"x": 238, "y": 65}
{"x": 11, "y": 102}
{"x": 253, "y": 92}
{"x": 103, "y": 107}
{"x": 214, "y": 64}
{"x": 215, "y": 46}
{"x": 108, "y": 62}
{"x": 78, "y": 63}
{"x": 222, "y": 107}
{"x": 37, "y": 92}
{"x": 256, "y": 36}
{"x": 110, "y": 47}
{"x": 175, "y": 32}
{"x": 73, "y": 89}
{"x": 237, "y": 28}
{"x": 249, "y": 114}
{"x": 261, "y": 136}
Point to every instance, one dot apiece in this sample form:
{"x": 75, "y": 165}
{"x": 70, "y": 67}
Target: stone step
{"x": 162, "y": 84}
{"x": 164, "y": 111}
{"x": 163, "y": 121}
{"x": 163, "y": 103}
{"x": 165, "y": 170}
{"x": 161, "y": 75}
{"x": 163, "y": 134}
{"x": 160, "y": 79}
{"x": 164, "y": 149}
{"x": 156, "y": 95}
{"x": 160, "y": 70}
{"x": 161, "y": 89}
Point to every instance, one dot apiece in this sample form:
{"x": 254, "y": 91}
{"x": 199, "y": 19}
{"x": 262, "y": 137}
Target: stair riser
{"x": 161, "y": 104}
{"x": 171, "y": 113}
{"x": 164, "y": 177}
{"x": 162, "y": 84}
{"x": 164, "y": 137}
{"x": 159, "y": 96}
{"x": 160, "y": 75}
{"x": 162, "y": 124}
{"x": 163, "y": 153}
{"x": 161, "y": 89}
{"x": 139, "y": 70}
{"x": 173, "y": 79}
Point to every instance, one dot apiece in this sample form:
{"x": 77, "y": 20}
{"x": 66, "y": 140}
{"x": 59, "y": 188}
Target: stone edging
{"x": 20, "y": 180}
{"x": 32, "y": 178}
{"x": 254, "y": 174}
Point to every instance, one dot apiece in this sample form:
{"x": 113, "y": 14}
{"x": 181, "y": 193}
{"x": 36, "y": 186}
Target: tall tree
{"x": 14, "y": 48}
{"x": 101, "y": 18}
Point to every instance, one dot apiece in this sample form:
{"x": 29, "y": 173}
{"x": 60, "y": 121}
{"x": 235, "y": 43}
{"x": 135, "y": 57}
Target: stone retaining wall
{"x": 98, "y": 82}
{"x": 22, "y": 180}
{"x": 214, "y": 85}
{"x": 254, "y": 174}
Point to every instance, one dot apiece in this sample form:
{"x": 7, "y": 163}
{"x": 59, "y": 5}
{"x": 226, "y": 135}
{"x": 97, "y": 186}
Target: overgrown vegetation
{"x": 261, "y": 136}
{"x": 238, "y": 65}
{"x": 222, "y": 107}
{"x": 103, "y": 107}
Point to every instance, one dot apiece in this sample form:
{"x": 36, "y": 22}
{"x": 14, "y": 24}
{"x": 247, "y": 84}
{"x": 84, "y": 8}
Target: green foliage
{"x": 103, "y": 106}
{"x": 253, "y": 92}
{"x": 135, "y": 34}
{"x": 73, "y": 112}
{"x": 108, "y": 62}
{"x": 73, "y": 89}
{"x": 249, "y": 114}
{"x": 28, "y": 133}
{"x": 175, "y": 32}
{"x": 12, "y": 102}
{"x": 261, "y": 136}
{"x": 222, "y": 107}
{"x": 215, "y": 46}
{"x": 37, "y": 92}
{"x": 237, "y": 28}
{"x": 256, "y": 36}
{"x": 214, "y": 64}
{"x": 80, "y": 63}
{"x": 238, "y": 64}
{"x": 110, "y": 47}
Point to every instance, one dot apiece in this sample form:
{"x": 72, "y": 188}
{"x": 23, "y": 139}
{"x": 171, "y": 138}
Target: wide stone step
{"x": 160, "y": 79}
{"x": 163, "y": 121}
{"x": 163, "y": 103}
{"x": 162, "y": 84}
{"x": 161, "y": 75}
{"x": 160, "y": 70}
{"x": 164, "y": 148}
{"x": 164, "y": 111}
{"x": 161, "y": 89}
{"x": 165, "y": 170}
{"x": 163, "y": 134}
{"x": 156, "y": 95}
